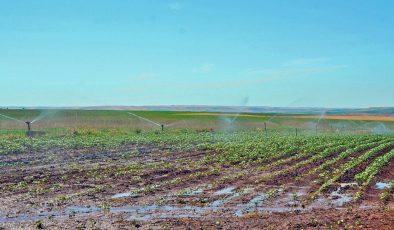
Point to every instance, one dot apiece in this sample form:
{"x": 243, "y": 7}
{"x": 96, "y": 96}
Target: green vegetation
{"x": 93, "y": 161}
{"x": 98, "y": 119}
{"x": 344, "y": 155}
{"x": 337, "y": 173}
{"x": 365, "y": 177}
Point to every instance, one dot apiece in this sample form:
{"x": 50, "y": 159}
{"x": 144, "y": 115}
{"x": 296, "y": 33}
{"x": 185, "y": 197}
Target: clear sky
{"x": 333, "y": 53}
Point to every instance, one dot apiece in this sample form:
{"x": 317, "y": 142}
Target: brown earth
{"x": 348, "y": 117}
{"x": 63, "y": 189}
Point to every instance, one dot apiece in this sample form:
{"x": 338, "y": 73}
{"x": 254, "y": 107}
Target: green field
{"x": 111, "y": 168}
{"x": 96, "y": 119}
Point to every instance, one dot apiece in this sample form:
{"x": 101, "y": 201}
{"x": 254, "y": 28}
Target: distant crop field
{"x": 350, "y": 117}
{"x": 59, "y": 119}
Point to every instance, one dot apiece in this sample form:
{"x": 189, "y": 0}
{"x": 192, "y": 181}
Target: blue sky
{"x": 274, "y": 53}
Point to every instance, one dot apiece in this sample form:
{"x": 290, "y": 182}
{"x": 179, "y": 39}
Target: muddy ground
{"x": 161, "y": 187}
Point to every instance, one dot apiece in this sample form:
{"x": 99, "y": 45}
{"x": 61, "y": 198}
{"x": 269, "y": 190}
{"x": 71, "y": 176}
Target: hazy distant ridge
{"x": 381, "y": 111}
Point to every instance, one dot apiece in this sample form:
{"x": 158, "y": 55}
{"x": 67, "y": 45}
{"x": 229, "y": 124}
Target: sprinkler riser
{"x": 28, "y": 123}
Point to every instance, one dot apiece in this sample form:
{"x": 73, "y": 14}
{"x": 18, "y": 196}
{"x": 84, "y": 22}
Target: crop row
{"x": 327, "y": 152}
{"x": 344, "y": 155}
{"x": 366, "y": 176}
{"x": 337, "y": 173}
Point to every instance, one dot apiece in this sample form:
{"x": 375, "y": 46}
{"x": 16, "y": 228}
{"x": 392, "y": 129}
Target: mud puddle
{"x": 252, "y": 205}
{"x": 340, "y": 199}
{"x": 229, "y": 193}
{"x": 125, "y": 194}
{"x": 225, "y": 191}
{"x": 81, "y": 210}
{"x": 259, "y": 202}
{"x": 383, "y": 185}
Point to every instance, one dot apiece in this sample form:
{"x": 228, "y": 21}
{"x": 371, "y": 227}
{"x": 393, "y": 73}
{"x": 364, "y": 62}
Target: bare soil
{"x": 159, "y": 187}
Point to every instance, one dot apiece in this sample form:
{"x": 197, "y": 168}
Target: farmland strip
{"x": 365, "y": 177}
{"x": 312, "y": 159}
{"x": 351, "y": 164}
{"x": 344, "y": 155}
{"x": 305, "y": 153}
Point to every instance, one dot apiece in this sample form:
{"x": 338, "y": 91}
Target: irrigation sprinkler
{"x": 29, "y": 131}
{"x": 162, "y": 127}
{"x": 28, "y": 123}
{"x": 296, "y": 130}
{"x": 265, "y": 129}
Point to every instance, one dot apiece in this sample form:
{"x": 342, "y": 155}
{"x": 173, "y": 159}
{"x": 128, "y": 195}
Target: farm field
{"x": 196, "y": 115}
{"x": 85, "y": 173}
{"x": 352, "y": 118}
{"x": 110, "y": 119}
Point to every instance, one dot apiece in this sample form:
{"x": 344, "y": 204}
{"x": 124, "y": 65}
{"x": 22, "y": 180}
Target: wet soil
{"x": 159, "y": 187}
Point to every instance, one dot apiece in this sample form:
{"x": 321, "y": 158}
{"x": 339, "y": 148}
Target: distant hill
{"x": 373, "y": 111}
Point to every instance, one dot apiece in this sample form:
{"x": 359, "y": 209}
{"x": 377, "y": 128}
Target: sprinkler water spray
{"x": 244, "y": 102}
{"x": 29, "y": 132}
{"x": 154, "y": 123}
{"x": 11, "y": 118}
{"x": 147, "y": 120}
